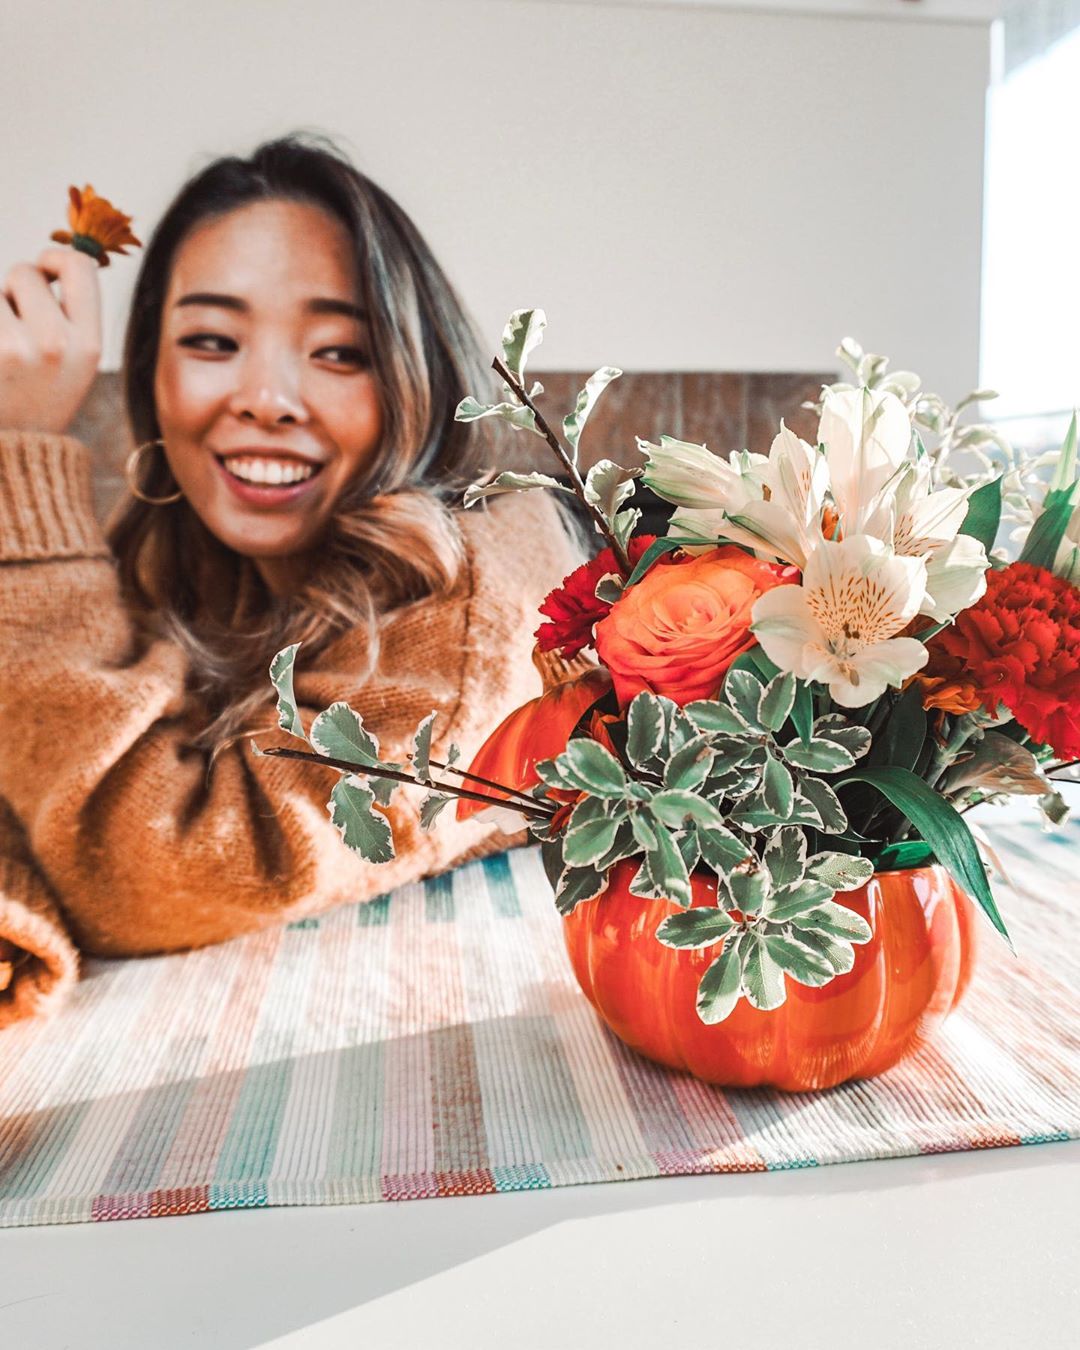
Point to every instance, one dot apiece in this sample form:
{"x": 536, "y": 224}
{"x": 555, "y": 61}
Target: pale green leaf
{"x": 511, "y": 482}
{"x": 801, "y": 962}
{"x": 422, "y": 749}
{"x": 517, "y": 415}
{"x": 835, "y": 921}
{"x": 574, "y": 423}
{"x": 523, "y": 333}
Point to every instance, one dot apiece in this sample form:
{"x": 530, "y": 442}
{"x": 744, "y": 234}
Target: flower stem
{"x": 535, "y": 810}
{"x": 570, "y": 468}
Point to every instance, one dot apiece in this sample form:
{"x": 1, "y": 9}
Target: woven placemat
{"x": 434, "y": 1042}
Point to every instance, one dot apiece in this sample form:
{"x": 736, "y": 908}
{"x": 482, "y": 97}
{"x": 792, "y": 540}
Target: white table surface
{"x": 951, "y": 1252}
{"x": 963, "y": 1251}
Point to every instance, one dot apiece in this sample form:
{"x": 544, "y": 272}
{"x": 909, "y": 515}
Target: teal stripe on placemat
{"x": 251, "y": 1142}
{"x": 370, "y": 913}
{"x": 534, "y": 1178}
{"x": 500, "y": 884}
{"x": 439, "y": 899}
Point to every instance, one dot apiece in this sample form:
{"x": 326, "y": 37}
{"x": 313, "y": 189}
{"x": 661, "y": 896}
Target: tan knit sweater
{"x": 112, "y": 840}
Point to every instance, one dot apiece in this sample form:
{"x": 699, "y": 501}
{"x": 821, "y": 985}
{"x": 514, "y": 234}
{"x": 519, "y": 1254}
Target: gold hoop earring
{"x": 131, "y": 473}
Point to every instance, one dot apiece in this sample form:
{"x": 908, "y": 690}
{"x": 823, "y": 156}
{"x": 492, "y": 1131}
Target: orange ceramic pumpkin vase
{"x": 904, "y": 982}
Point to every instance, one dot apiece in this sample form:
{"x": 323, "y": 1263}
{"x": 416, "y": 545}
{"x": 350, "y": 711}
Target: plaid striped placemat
{"x": 434, "y": 1042}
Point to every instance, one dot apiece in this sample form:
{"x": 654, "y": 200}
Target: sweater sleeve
{"x": 140, "y": 847}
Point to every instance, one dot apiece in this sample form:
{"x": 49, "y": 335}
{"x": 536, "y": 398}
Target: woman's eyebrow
{"x": 321, "y": 305}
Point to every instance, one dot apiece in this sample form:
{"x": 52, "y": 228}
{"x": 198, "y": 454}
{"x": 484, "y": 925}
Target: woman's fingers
{"x": 80, "y": 287}
{"x": 30, "y": 299}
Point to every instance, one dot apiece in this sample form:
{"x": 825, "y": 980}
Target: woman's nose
{"x": 269, "y": 390}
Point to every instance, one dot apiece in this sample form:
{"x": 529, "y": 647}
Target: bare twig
{"x": 487, "y": 782}
{"x": 569, "y": 467}
{"x": 535, "y": 810}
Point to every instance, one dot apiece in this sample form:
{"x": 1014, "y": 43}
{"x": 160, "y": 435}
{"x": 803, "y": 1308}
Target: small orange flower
{"x": 955, "y": 696}
{"x": 97, "y": 227}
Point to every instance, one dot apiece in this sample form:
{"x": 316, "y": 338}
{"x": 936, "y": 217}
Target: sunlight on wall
{"x": 1031, "y": 272}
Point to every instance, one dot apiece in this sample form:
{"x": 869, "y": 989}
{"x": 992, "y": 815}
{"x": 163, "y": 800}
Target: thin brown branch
{"x": 535, "y": 810}
{"x": 569, "y": 467}
{"x": 487, "y": 782}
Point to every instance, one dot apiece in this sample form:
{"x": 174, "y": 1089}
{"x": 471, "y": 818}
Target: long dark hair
{"x": 392, "y": 538}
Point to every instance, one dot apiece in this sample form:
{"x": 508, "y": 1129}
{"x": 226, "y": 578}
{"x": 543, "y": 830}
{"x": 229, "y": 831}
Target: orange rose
{"x": 678, "y": 630}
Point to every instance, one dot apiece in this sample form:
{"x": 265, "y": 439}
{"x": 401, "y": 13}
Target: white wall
{"x": 680, "y": 187}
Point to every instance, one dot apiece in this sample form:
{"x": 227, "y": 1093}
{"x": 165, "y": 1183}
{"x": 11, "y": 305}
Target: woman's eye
{"x": 200, "y": 341}
{"x": 341, "y": 356}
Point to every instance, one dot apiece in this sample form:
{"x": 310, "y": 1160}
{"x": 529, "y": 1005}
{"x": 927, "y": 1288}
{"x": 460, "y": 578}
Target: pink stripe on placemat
{"x": 434, "y": 1043}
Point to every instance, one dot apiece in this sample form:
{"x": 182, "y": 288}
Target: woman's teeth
{"x": 269, "y": 471}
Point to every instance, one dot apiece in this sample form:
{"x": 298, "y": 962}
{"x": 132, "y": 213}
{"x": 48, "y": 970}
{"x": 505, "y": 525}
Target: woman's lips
{"x": 270, "y": 494}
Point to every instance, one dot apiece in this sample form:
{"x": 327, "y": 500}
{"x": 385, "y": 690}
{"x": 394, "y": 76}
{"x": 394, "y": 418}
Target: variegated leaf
{"x": 339, "y": 733}
{"x": 281, "y": 675}
{"x": 801, "y": 962}
{"x": 720, "y": 986}
{"x": 762, "y": 978}
{"x": 511, "y": 482}
{"x": 836, "y": 921}
{"x": 523, "y": 333}
{"x": 785, "y": 856}
{"x": 693, "y": 928}
{"x": 422, "y": 749}
{"x": 576, "y": 885}
{"x": 364, "y": 830}
{"x": 608, "y": 486}
{"x": 841, "y": 871}
{"x": 776, "y": 701}
{"x": 644, "y": 728}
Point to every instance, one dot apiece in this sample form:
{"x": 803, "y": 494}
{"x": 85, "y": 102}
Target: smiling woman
{"x": 293, "y": 360}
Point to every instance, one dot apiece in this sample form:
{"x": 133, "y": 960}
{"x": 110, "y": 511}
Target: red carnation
{"x": 1020, "y": 646}
{"x": 573, "y": 607}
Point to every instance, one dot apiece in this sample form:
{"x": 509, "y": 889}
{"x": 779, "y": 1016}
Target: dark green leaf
{"x": 748, "y": 891}
{"x": 943, "y": 828}
{"x": 905, "y": 731}
{"x": 984, "y": 514}
{"x": 577, "y": 884}
{"x": 802, "y": 712}
{"x": 899, "y": 857}
{"x": 777, "y": 700}
{"x": 653, "y": 553}
{"x": 667, "y": 869}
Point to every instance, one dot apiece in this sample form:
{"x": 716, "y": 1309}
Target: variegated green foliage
{"x": 727, "y": 785}
{"x": 338, "y": 733}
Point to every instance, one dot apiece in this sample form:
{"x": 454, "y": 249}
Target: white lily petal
{"x": 867, "y": 435}
{"x": 955, "y": 578}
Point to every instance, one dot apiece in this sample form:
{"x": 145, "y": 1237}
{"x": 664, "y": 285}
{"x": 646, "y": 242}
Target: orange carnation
{"x": 678, "y": 630}
{"x": 97, "y": 227}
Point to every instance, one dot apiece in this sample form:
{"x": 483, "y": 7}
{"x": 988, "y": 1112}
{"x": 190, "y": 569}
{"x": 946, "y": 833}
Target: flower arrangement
{"x": 808, "y": 681}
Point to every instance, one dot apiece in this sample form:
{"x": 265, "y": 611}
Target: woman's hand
{"x": 49, "y": 345}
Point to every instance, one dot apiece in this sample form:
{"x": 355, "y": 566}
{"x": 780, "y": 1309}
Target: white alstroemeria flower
{"x": 690, "y": 475}
{"x": 921, "y": 523}
{"x": 866, "y": 435}
{"x": 839, "y": 627}
{"x": 783, "y": 521}
{"x": 1067, "y": 560}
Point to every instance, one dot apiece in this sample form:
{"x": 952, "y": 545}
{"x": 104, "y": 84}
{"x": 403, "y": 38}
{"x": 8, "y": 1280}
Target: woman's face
{"x": 263, "y": 378}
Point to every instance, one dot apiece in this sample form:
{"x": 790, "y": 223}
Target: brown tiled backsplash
{"x": 725, "y": 411}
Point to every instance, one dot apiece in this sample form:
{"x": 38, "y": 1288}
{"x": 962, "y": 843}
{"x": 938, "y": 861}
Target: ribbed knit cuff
{"x": 46, "y": 508}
